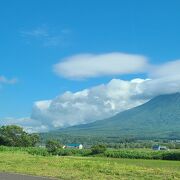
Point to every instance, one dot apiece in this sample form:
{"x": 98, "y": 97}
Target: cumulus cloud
{"x": 101, "y": 101}
{"x": 89, "y": 105}
{"x": 95, "y": 103}
{"x": 91, "y": 65}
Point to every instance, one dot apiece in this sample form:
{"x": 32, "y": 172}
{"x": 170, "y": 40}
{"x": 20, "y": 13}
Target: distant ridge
{"x": 158, "y": 118}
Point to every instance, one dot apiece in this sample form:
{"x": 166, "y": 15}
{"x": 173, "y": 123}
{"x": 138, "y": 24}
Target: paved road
{"x": 11, "y": 176}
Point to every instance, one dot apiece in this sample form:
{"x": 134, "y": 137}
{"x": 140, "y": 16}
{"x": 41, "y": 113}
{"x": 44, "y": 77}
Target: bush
{"x": 143, "y": 154}
{"x": 98, "y": 149}
{"x": 53, "y": 146}
{"x": 171, "y": 156}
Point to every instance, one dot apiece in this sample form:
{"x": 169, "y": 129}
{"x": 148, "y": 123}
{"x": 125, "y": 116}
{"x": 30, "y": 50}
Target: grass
{"x": 88, "y": 167}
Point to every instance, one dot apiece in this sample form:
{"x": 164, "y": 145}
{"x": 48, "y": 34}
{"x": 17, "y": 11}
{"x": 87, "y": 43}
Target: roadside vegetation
{"x": 14, "y": 138}
{"x": 73, "y": 167}
{"x": 98, "y": 151}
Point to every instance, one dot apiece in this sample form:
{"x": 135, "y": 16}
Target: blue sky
{"x": 35, "y": 35}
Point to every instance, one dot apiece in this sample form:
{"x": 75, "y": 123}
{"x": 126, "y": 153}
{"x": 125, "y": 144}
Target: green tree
{"x": 98, "y": 149}
{"x": 53, "y": 146}
{"x": 13, "y": 135}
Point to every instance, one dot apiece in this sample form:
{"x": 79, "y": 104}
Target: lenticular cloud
{"x": 92, "y": 65}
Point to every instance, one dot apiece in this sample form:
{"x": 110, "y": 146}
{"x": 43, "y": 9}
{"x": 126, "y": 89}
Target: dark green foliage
{"x": 171, "y": 156}
{"x": 52, "y": 146}
{"x": 86, "y": 140}
{"x": 98, "y": 149}
{"x": 143, "y": 154}
{"x": 111, "y": 141}
{"x": 15, "y": 136}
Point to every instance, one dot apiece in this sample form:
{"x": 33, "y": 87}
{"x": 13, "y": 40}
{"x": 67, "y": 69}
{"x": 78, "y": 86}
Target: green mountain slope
{"x": 158, "y": 118}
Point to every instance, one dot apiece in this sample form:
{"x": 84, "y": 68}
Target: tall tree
{"x": 13, "y": 135}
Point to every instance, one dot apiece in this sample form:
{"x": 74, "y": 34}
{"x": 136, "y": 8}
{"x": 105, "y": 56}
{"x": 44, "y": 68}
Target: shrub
{"x": 143, "y": 154}
{"x": 98, "y": 149}
{"x": 53, "y": 146}
{"x": 171, "y": 156}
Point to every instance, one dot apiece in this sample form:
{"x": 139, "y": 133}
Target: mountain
{"x": 158, "y": 118}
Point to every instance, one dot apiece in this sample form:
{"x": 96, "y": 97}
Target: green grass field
{"x": 88, "y": 167}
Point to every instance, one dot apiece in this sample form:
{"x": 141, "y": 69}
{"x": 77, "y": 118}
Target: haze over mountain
{"x": 158, "y": 118}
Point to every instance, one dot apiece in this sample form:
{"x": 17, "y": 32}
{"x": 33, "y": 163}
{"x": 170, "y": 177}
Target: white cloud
{"x": 89, "y": 105}
{"x": 90, "y": 65}
{"x": 95, "y": 103}
{"x": 47, "y": 36}
{"x": 101, "y": 101}
{"x": 4, "y": 80}
{"x": 171, "y": 68}
{"x": 163, "y": 85}
{"x": 27, "y": 123}
{"x": 37, "y": 32}
{"x": 105, "y": 100}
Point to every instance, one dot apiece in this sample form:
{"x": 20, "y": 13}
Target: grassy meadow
{"x": 72, "y": 167}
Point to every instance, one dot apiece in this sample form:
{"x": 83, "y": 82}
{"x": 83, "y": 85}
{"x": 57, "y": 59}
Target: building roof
{"x": 73, "y": 145}
{"x": 156, "y": 146}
